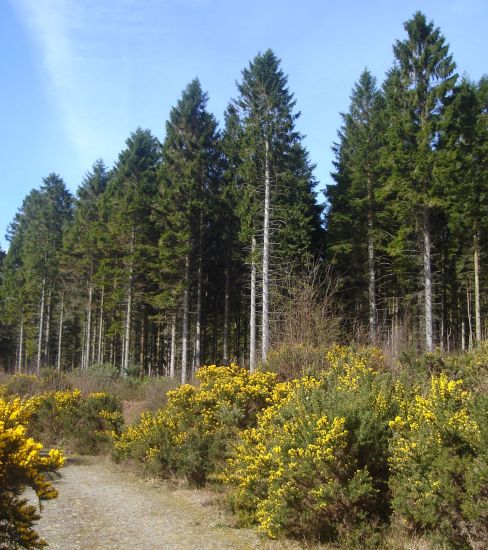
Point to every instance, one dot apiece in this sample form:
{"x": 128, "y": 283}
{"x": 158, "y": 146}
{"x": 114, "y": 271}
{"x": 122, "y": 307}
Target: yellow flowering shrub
{"x": 22, "y": 464}
{"x": 192, "y": 433}
{"x": 439, "y": 464}
{"x": 315, "y": 466}
{"x": 81, "y": 423}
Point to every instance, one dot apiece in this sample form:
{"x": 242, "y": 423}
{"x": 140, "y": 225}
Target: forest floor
{"x": 102, "y": 506}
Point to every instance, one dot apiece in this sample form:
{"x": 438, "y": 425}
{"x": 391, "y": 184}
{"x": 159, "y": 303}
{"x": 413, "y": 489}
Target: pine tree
{"x": 279, "y": 178}
{"x": 129, "y": 203}
{"x": 187, "y": 186}
{"x": 353, "y": 201}
{"x": 425, "y": 79}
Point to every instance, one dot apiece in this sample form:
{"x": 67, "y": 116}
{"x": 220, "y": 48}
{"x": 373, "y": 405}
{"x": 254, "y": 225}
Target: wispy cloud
{"x": 87, "y": 62}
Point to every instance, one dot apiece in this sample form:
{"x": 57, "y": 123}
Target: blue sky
{"x": 79, "y": 75}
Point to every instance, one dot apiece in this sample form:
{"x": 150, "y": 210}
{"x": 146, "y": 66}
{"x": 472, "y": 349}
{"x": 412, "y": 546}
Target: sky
{"x": 78, "y": 76}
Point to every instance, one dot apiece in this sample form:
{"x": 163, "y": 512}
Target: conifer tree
{"x": 353, "y": 200}
{"x": 279, "y": 176}
{"x": 425, "y": 79}
{"x": 187, "y": 184}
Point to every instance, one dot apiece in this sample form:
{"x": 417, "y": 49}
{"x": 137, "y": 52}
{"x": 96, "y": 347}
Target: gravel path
{"x": 100, "y": 506}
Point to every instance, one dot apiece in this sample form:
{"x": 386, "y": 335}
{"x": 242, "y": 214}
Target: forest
{"x": 215, "y": 245}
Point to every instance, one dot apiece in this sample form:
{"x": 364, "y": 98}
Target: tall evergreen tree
{"x": 188, "y": 178}
{"x": 130, "y": 197}
{"x": 281, "y": 175}
{"x": 425, "y": 79}
{"x": 352, "y": 224}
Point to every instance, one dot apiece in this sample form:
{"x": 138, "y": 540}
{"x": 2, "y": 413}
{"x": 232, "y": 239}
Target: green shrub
{"x": 191, "y": 435}
{"x": 22, "y": 385}
{"x": 82, "y": 424}
{"x": 439, "y": 465}
{"x": 315, "y": 466}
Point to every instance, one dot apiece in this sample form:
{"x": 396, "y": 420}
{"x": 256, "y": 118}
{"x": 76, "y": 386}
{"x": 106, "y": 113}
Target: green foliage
{"x": 191, "y": 435}
{"x": 22, "y": 465}
{"x": 84, "y": 424}
{"x": 439, "y": 465}
{"x": 315, "y": 466}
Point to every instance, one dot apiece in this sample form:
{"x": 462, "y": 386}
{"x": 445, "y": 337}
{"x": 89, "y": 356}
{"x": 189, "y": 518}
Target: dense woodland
{"x": 200, "y": 249}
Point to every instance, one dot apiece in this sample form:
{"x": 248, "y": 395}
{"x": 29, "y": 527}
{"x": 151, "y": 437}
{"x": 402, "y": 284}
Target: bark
{"x": 100, "y": 328}
{"x": 198, "y": 321}
{"x": 88, "y": 324}
{"x": 172, "y": 359}
{"x": 470, "y": 324}
{"x": 477, "y": 300}
{"x": 60, "y": 332}
{"x": 41, "y": 326}
{"x": 371, "y": 271}
{"x": 252, "y": 322}
{"x": 186, "y": 322}
{"x": 429, "y": 343}
{"x": 142, "y": 355}
{"x": 21, "y": 343}
{"x": 48, "y": 325}
{"x": 266, "y": 232}
{"x": 128, "y": 312}
{"x": 225, "y": 358}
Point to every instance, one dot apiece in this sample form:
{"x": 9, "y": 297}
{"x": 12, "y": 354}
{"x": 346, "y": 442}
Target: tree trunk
{"x": 60, "y": 332}
{"x": 252, "y": 322}
{"x": 21, "y": 343}
{"x": 372, "y": 281}
{"x": 225, "y": 355}
{"x": 128, "y": 313}
{"x": 100, "y": 328}
{"x": 477, "y": 300}
{"x": 88, "y": 324}
{"x": 172, "y": 359}
{"x": 198, "y": 322}
{"x": 186, "y": 321}
{"x": 266, "y": 231}
{"x": 48, "y": 325}
{"x": 470, "y": 325}
{"x": 41, "y": 326}
{"x": 429, "y": 343}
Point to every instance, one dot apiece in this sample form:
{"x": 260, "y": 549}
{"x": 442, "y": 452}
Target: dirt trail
{"x": 102, "y": 507}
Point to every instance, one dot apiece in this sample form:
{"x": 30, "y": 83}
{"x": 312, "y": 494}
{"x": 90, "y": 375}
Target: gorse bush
{"x": 315, "y": 466}
{"x": 22, "y": 465}
{"x": 84, "y": 424}
{"x": 192, "y": 433}
{"x": 342, "y": 455}
{"x": 439, "y": 465}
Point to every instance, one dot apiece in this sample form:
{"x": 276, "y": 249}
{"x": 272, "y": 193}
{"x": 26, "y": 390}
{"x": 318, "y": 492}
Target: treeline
{"x": 169, "y": 259}
{"x": 182, "y": 253}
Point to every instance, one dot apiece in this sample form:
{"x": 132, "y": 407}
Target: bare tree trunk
{"x": 100, "y": 327}
{"x": 186, "y": 322}
{"x": 266, "y": 231}
{"x": 142, "y": 353}
{"x": 198, "y": 322}
{"x": 429, "y": 343}
{"x": 21, "y": 343}
{"x": 88, "y": 324}
{"x": 41, "y": 326}
{"x": 463, "y": 336}
{"x": 477, "y": 301}
{"x": 470, "y": 324}
{"x": 372, "y": 278}
{"x": 252, "y": 322}
{"x": 128, "y": 313}
{"x": 172, "y": 359}
{"x": 48, "y": 325}
{"x": 225, "y": 357}
{"x": 60, "y": 332}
